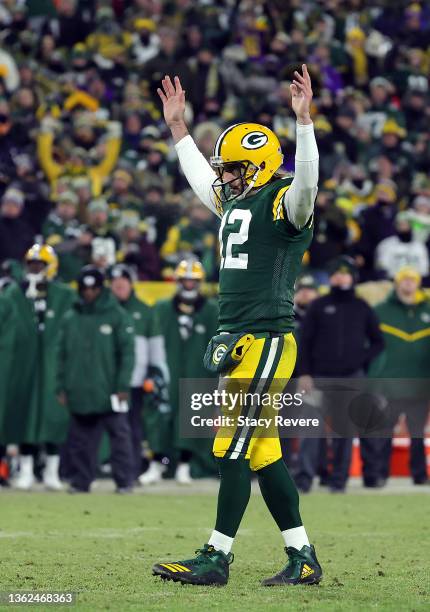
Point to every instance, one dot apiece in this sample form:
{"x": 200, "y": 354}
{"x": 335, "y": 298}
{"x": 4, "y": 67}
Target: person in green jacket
{"x": 70, "y": 239}
{"x": 187, "y": 323}
{"x": 7, "y": 332}
{"x": 149, "y": 352}
{"x": 405, "y": 322}
{"x": 32, "y": 416}
{"x": 95, "y": 364}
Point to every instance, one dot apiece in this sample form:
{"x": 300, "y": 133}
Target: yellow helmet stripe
{"x": 219, "y": 142}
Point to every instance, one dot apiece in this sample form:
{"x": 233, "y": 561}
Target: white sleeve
{"x": 140, "y": 361}
{"x": 197, "y": 171}
{"x": 157, "y": 356}
{"x": 300, "y": 198}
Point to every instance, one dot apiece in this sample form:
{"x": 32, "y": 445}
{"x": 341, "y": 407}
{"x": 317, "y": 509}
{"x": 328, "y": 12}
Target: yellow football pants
{"x": 264, "y": 370}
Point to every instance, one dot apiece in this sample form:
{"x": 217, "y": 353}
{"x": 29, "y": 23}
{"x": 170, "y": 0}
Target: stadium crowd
{"x": 87, "y": 168}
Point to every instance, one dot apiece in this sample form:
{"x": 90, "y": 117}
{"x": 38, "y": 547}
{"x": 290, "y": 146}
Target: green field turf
{"x": 374, "y": 549}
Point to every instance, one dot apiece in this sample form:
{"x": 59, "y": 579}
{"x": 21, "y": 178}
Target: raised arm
{"x": 300, "y": 198}
{"x": 197, "y": 170}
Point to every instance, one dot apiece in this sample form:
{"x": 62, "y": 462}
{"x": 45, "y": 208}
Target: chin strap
{"x": 250, "y": 186}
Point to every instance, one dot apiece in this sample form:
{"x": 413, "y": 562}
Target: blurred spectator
{"x": 78, "y": 160}
{"x": 68, "y": 27}
{"x": 208, "y": 92}
{"x": 16, "y": 233}
{"x": 96, "y": 353}
{"x": 105, "y": 242}
{"x": 121, "y": 195}
{"x": 330, "y": 233}
{"x": 419, "y": 217}
{"x": 148, "y": 350}
{"x": 187, "y": 322}
{"x": 167, "y": 61}
{"x": 305, "y": 293}
{"x": 9, "y": 74}
{"x": 328, "y": 323}
{"x": 401, "y": 250}
{"x": 63, "y": 231}
{"x": 377, "y": 223}
{"x": 330, "y": 156}
{"x": 194, "y": 234}
{"x": 7, "y": 145}
{"x": 33, "y": 416}
{"x": 405, "y": 323}
{"x": 135, "y": 249}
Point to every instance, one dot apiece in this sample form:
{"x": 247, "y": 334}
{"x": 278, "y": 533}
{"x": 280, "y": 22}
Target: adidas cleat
{"x": 209, "y": 567}
{"x": 302, "y": 568}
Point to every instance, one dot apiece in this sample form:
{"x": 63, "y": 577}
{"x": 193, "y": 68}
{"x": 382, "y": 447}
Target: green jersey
{"x": 261, "y": 256}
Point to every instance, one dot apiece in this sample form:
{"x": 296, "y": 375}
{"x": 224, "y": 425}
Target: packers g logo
{"x": 218, "y": 353}
{"x": 254, "y": 140}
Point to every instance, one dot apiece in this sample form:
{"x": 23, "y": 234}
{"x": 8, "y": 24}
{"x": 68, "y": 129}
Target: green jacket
{"x": 141, "y": 314}
{"x": 7, "y": 334}
{"x": 185, "y": 360}
{"x": 96, "y": 354}
{"x": 406, "y": 330}
{"x": 32, "y": 413}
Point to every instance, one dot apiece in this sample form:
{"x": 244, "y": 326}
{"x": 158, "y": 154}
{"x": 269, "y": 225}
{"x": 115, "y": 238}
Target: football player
{"x": 266, "y": 226}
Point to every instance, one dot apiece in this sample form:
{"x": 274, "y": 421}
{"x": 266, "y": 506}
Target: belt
{"x": 258, "y": 335}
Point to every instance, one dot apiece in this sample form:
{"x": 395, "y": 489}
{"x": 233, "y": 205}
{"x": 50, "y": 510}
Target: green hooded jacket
{"x": 96, "y": 354}
{"x": 32, "y": 413}
{"x": 7, "y": 335}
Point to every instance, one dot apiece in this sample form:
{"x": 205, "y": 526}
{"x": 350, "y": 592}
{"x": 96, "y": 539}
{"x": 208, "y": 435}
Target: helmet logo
{"x": 254, "y": 140}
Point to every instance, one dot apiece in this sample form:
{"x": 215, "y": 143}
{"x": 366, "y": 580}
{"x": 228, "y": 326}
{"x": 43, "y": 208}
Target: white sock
{"x": 220, "y": 541}
{"x": 296, "y": 537}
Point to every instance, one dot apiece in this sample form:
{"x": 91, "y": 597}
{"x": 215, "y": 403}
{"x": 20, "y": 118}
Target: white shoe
{"x": 51, "y": 479}
{"x": 25, "y": 479}
{"x": 183, "y": 475}
{"x": 153, "y": 474}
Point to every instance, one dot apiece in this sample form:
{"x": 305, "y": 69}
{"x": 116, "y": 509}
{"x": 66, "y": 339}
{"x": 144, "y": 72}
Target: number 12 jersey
{"x": 261, "y": 256}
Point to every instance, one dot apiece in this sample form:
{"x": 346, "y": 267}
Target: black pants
{"x": 416, "y": 412}
{"x": 372, "y": 457}
{"x": 312, "y": 460}
{"x": 313, "y": 452}
{"x": 135, "y": 420}
{"x": 83, "y": 444}
{"x": 32, "y": 449}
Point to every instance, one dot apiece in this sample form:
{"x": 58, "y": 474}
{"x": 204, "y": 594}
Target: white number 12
{"x": 240, "y": 261}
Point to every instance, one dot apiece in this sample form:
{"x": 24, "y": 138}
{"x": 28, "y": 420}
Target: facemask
{"x": 34, "y": 280}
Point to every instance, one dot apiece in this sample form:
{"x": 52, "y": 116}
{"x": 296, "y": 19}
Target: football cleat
{"x": 209, "y": 567}
{"x": 302, "y": 568}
